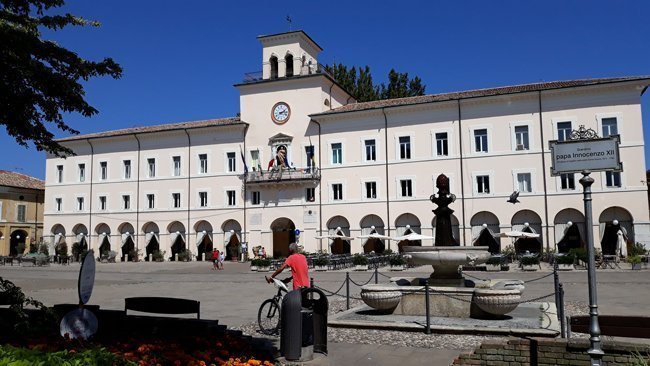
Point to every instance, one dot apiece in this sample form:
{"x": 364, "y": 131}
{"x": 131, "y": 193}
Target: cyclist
{"x": 298, "y": 264}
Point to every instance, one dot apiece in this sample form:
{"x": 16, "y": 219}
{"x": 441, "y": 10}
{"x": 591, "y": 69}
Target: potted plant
{"x": 581, "y": 256}
{"x": 158, "y": 256}
{"x": 360, "y": 262}
{"x": 263, "y": 265}
{"x": 493, "y": 264}
{"x": 134, "y": 255}
{"x": 397, "y": 263}
{"x": 184, "y": 255}
{"x": 255, "y": 263}
{"x": 529, "y": 263}
{"x": 565, "y": 262}
{"x": 43, "y": 249}
{"x": 509, "y": 252}
{"x": 635, "y": 261}
{"x": 321, "y": 263}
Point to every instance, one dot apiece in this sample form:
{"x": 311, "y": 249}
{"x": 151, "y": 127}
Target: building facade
{"x": 21, "y": 212}
{"x": 305, "y": 162}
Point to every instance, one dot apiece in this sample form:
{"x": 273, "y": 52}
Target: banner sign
{"x": 574, "y": 156}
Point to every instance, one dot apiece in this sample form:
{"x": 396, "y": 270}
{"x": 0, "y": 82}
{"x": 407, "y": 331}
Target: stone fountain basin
{"x": 447, "y": 256}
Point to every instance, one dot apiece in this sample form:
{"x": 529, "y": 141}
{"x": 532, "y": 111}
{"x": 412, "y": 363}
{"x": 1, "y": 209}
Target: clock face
{"x": 280, "y": 112}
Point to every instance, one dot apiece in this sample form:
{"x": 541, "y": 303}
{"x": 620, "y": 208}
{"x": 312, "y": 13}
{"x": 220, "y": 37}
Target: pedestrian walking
{"x": 215, "y": 259}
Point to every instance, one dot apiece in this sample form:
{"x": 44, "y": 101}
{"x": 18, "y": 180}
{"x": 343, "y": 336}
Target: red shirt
{"x": 298, "y": 264}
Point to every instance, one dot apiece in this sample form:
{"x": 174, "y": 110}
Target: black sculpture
{"x": 444, "y": 237}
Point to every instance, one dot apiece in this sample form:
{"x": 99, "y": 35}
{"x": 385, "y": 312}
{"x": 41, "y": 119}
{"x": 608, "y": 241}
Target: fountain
{"x": 451, "y": 295}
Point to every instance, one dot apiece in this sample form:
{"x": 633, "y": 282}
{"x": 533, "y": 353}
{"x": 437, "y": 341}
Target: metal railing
{"x": 256, "y": 76}
{"x": 280, "y": 174}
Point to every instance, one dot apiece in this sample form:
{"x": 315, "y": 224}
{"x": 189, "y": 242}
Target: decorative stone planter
{"x": 320, "y": 268}
{"x": 565, "y": 267}
{"x": 636, "y": 267}
{"x": 496, "y": 302}
{"x": 361, "y": 267}
{"x": 381, "y": 297}
{"x": 262, "y": 269}
{"x": 397, "y": 268}
{"x": 530, "y": 267}
{"x": 253, "y": 268}
{"x": 493, "y": 267}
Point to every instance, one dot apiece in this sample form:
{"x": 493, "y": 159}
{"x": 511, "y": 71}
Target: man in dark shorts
{"x": 298, "y": 264}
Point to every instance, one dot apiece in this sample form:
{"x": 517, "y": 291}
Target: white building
{"x": 374, "y": 166}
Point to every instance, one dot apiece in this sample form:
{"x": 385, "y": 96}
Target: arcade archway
{"x": 176, "y": 232}
{"x": 612, "y": 220}
{"x": 405, "y": 224}
{"x": 527, "y": 221}
{"x": 232, "y": 239}
{"x": 569, "y": 227}
{"x": 128, "y": 245}
{"x": 17, "y": 243}
{"x": 103, "y": 232}
{"x": 372, "y": 224}
{"x": 339, "y": 225}
{"x": 151, "y": 239}
{"x": 204, "y": 242}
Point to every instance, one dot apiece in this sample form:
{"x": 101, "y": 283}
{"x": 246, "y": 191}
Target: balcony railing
{"x": 274, "y": 176}
{"x": 253, "y": 77}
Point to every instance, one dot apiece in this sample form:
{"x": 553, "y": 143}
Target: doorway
{"x": 284, "y": 233}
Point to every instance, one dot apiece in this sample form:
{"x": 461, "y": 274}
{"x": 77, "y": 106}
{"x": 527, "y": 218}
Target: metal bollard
{"x": 376, "y": 275}
{"x": 560, "y": 312}
{"x": 426, "y": 303}
{"x": 556, "y": 282}
{"x": 347, "y": 290}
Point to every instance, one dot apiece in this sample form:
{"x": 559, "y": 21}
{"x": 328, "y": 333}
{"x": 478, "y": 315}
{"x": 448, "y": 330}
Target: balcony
{"x": 282, "y": 176}
{"x": 256, "y": 76}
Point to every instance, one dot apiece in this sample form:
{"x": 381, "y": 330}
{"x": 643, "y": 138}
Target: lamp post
{"x": 595, "y": 351}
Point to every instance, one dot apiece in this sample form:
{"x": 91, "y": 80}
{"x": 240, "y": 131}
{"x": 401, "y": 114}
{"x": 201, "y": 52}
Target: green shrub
{"x": 159, "y": 256}
{"x": 495, "y": 261}
{"x": 10, "y": 355}
{"x": 359, "y": 260}
{"x": 387, "y": 252}
{"x": 566, "y": 259}
{"x": 637, "y": 249}
{"x": 321, "y": 261}
{"x": 264, "y": 262}
{"x": 33, "y": 248}
{"x": 134, "y": 255}
{"x": 255, "y": 262}
{"x": 529, "y": 261}
{"x": 580, "y": 253}
{"x": 43, "y": 249}
{"x": 184, "y": 255}
{"x": 397, "y": 260}
{"x": 634, "y": 259}
{"x": 509, "y": 252}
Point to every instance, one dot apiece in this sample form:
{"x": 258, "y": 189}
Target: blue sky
{"x": 181, "y": 59}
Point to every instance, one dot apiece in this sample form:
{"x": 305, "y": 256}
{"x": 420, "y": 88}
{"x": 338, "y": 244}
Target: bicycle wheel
{"x": 268, "y": 317}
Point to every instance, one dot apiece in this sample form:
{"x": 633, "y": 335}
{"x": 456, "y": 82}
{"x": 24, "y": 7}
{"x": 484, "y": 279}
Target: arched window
{"x": 288, "y": 60}
{"x": 274, "y": 67}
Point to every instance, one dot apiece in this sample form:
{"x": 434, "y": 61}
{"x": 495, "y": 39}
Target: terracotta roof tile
{"x": 158, "y": 128}
{"x": 13, "y": 179}
{"x": 431, "y": 98}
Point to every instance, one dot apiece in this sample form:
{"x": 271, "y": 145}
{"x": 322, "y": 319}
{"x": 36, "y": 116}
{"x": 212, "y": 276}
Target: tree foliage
{"x": 358, "y": 81}
{"x": 40, "y": 79}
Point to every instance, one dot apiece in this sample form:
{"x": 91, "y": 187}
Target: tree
{"x": 362, "y": 88}
{"x": 40, "y": 79}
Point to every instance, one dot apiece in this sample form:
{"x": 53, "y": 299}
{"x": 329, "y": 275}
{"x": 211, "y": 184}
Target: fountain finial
{"x": 443, "y": 213}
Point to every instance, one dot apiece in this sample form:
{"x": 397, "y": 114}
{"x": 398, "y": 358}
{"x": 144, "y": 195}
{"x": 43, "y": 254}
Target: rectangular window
{"x": 405, "y": 147}
{"x": 80, "y": 203}
{"x": 337, "y": 153}
{"x": 21, "y": 213}
{"x": 337, "y": 191}
{"x": 255, "y": 160}
{"x": 442, "y": 145}
{"x": 406, "y": 187}
{"x": 610, "y": 127}
{"x": 203, "y": 163}
{"x": 483, "y": 184}
{"x": 58, "y": 204}
{"x": 310, "y": 194}
{"x": 231, "y": 198}
{"x": 371, "y": 190}
{"x": 127, "y": 169}
{"x": 567, "y": 181}
{"x": 102, "y": 203}
{"x": 524, "y": 182}
{"x": 176, "y": 200}
{"x": 103, "y": 170}
{"x": 151, "y": 201}
{"x": 126, "y": 202}
{"x": 151, "y": 163}
{"x": 203, "y": 199}
{"x": 177, "y": 165}
{"x": 232, "y": 161}
{"x": 255, "y": 197}
{"x": 371, "y": 150}
{"x": 310, "y": 158}
{"x": 481, "y": 140}
{"x": 82, "y": 172}
{"x": 59, "y": 173}
{"x": 613, "y": 179}
{"x": 521, "y": 138}
{"x": 563, "y": 131}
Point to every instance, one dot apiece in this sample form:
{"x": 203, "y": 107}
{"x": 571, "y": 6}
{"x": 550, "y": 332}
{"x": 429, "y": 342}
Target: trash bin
{"x": 303, "y": 328}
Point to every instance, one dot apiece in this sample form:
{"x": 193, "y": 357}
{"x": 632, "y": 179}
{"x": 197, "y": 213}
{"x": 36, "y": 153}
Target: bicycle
{"x": 268, "y": 316}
